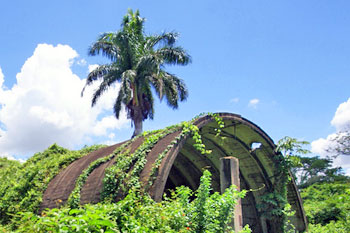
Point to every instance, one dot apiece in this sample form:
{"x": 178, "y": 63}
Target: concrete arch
{"x": 256, "y": 164}
{"x": 183, "y": 165}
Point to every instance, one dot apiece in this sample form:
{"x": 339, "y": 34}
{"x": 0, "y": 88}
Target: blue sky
{"x": 282, "y": 64}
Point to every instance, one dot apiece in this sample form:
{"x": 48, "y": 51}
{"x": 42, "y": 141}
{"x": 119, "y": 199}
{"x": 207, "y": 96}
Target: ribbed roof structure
{"x": 172, "y": 161}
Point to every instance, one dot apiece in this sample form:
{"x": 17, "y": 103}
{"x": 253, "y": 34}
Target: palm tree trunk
{"x": 137, "y": 119}
{"x": 138, "y": 128}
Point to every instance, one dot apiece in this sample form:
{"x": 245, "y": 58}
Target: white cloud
{"x": 108, "y": 122}
{"x": 341, "y": 119}
{"x": 45, "y": 105}
{"x": 341, "y": 122}
{"x": 321, "y": 145}
{"x": 92, "y": 67}
{"x": 253, "y": 103}
{"x": 81, "y": 62}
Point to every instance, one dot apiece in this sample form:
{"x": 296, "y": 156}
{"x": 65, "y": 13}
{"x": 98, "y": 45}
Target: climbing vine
{"x": 274, "y": 202}
{"x": 74, "y": 197}
{"x": 124, "y": 174}
{"x": 188, "y": 128}
{"x": 158, "y": 161}
{"x": 219, "y": 122}
{"x": 119, "y": 178}
{"x": 274, "y": 205}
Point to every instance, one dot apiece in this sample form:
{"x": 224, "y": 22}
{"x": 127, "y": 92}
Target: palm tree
{"x": 137, "y": 63}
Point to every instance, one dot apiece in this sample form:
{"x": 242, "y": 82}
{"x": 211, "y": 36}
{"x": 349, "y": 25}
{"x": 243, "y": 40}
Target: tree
{"x": 317, "y": 170}
{"x": 308, "y": 170}
{"x": 341, "y": 144}
{"x": 326, "y": 202}
{"x": 138, "y": 64}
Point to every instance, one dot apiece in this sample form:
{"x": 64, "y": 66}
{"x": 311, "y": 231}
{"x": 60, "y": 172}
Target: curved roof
{"x": 178, "y": 163}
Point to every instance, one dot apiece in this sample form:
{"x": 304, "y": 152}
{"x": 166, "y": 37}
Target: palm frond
{"x": 128, "y": 51}
{"x": 174, "y": 88}
{"x": 146, "y": 100}
{"x": 138, "y": 62}
{"x": 174, "y": 55}
{"x": 148, "y": 64}
{"x": 97, "y": 73}
{"x": 165, "y": 39}
{"x": 108, "y": 80}
{"x": 133, "y": 22}
{"x": 118, "y": 104}
{"x": 181, "y": 87}
{"x": 126, "y": 87}
{"x": 105, "y": 45}
{"x": 129, "y": 75}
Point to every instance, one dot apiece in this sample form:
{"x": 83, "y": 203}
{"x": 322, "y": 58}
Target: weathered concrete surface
{"x": 183, "y": 165}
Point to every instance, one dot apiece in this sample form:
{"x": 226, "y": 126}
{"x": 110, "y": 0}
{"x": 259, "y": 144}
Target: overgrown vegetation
{"x": 274, "y": 204}
{"x": 325, "y": 190}
{"x": 327, "y": 205}
{"x": 119, "y": 178}
{"x": 22, "y": 185}
{"x": 207, "y": 212}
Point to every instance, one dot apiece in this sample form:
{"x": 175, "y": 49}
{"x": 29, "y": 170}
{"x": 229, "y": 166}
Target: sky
{"x": 283, "y": 65}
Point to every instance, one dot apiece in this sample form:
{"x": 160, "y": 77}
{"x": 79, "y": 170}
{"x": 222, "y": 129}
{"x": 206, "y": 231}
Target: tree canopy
{"x": 138, "y": 65}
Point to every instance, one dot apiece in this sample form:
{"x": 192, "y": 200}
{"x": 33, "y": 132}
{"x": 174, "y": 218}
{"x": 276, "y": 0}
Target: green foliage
{"x": 139, "y": 213}
{"x": 327, "y": 202}
{"x": 138, "y": 63}
{"x": 7, "y": 168}
{"x": 5, "y": 163}
{"x": 219, "y": 122}
{"x": 292, "y": 150}
{"x": 291, "y": 146}
{"x": 189, "y": 128}
{"x": 22, "y": 185}
{"x": 74, "y": 197}
{"x": 308, "y": 170}
{"x": 324, "y": 189}
{"x": 213, "y": 212}
{"x": 274, "y": 205}
{"x": 316, "y": 170}
{"x": 160, "y": 157}
{"x": 119, "y": 178}
{"x": 332, "y": 227}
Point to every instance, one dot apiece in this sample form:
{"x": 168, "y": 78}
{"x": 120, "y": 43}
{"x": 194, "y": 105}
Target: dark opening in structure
{"x": 183, "y": 164}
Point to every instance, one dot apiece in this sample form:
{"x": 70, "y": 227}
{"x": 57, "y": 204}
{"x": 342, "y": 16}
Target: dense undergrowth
{"x": 183, "y": 211}
{"x": 327, "y": 207}
{"x": 208, "y": 213}
{"x": 327, "y": 204}
{"x": 22, "y": 185}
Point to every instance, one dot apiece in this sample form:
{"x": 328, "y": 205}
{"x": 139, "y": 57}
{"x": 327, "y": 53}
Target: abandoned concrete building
{"x": 243, "y": 154}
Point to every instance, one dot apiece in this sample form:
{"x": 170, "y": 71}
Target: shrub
{"x": 139, "y": 213}
{"x": 22, "y": 185}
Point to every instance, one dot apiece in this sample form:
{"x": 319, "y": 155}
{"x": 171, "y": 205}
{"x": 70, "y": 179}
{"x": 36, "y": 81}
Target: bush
{"x": 22, "y": 185}
{"x": 327, "y": 207}
{"x": 139, "y": 213}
